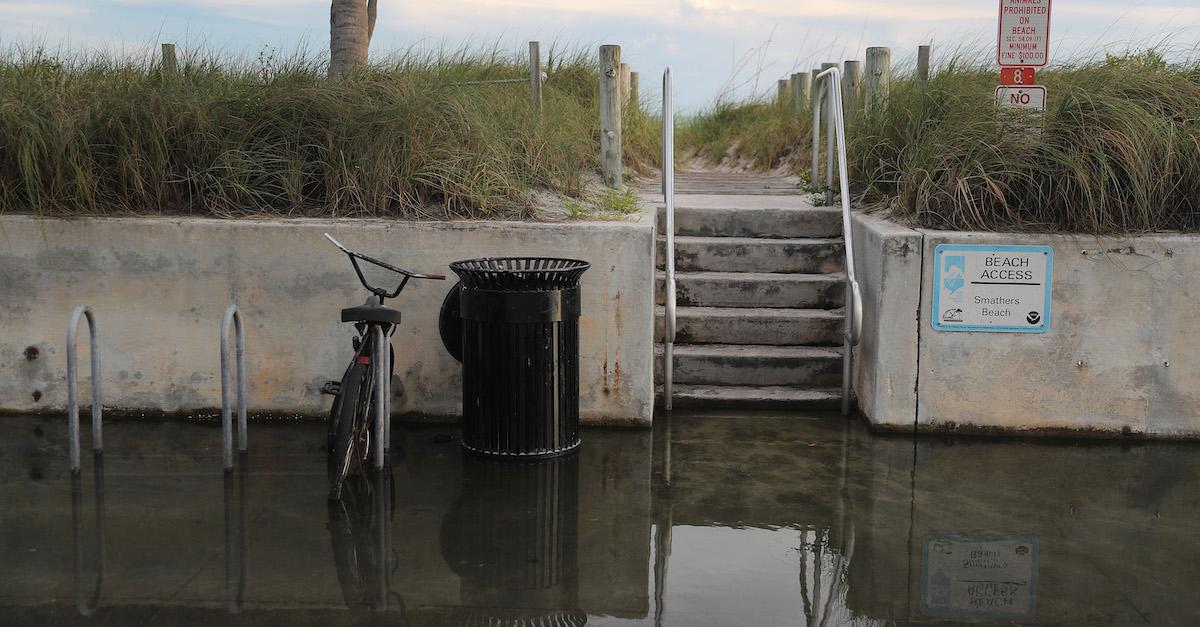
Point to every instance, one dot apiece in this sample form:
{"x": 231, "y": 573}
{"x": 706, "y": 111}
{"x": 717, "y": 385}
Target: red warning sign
{"x": 1024, "y": 37}
{"x": 1017, "y": 76}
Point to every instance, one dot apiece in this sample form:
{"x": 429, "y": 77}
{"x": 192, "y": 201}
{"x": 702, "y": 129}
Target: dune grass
{"x": 91, "y": 135}
{"x": 1117, "y": 151}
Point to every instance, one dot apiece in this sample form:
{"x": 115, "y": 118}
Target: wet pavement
{"x": 707, "y": 520}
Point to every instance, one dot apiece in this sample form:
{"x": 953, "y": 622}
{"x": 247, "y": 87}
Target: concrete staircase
{"x": 761, "y": 289}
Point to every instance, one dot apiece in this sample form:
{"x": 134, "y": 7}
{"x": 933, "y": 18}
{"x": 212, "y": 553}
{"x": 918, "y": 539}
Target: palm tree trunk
{"x": 351, "y": 24}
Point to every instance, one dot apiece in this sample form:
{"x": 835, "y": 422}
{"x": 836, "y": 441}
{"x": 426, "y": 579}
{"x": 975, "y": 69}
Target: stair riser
{"x": 759, "y": 256}
{"x": 723, "y": 370}
{"x": 721, "y": 292}
{"x": 754, "y": 222}
{"x": 754, "y": 330}
{"x": 686, "y": 402}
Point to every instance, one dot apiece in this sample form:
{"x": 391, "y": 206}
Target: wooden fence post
{"x": 783, "y": 91}
{"x": 170, "y": 65}
{"x": 852, "y": 90}
{"x": 830, "y": 146}
{"x": 635, "y": 90}
{"x": 800, "y": 96}
{"x": 922, "y": 64}
{"x": 625, "y": 82}
{"x": 610, "y": 116}
{"x": 535, "y": 77}
{"x": 878, "y": 76}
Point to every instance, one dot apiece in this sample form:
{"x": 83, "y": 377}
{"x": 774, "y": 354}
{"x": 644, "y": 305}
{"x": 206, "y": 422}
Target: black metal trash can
{"x": 519, "y": 346}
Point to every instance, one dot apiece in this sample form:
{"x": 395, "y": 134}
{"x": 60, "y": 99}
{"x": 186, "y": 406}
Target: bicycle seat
{"x": 371, "y": 311}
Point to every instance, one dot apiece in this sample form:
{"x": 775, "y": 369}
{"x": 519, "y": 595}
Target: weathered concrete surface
{"x": 888, "y": 259}
{"x": 1120, "y": 354}
{"x": 159, "y": 287}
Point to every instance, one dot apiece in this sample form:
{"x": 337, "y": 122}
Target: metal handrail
{"x": 232, "y": 317}
{"x": 853, "y": 332}
{"x": 73, "y": 387}
{"x": 668, "y": 177}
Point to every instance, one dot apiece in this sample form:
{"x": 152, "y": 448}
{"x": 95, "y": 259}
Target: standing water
{"x": 710, "y": 519}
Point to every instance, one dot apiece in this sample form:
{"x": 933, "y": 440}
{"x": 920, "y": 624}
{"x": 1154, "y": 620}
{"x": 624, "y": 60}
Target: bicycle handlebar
{"x": 354, "y": 257}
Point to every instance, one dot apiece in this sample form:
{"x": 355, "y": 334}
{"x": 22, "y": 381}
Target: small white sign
{"x": 1024, "y": 37}
{"x": 989, "y": 577}
{"x": 992, "y": 288}
{"x": 1032, "y": 97}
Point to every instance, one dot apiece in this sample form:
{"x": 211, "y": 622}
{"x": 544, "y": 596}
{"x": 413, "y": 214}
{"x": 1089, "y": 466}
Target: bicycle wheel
{"x": 353, "y": 406}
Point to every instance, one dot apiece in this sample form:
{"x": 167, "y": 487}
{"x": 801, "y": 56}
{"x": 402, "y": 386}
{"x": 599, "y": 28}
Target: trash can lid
{"x": 519, "y": 274}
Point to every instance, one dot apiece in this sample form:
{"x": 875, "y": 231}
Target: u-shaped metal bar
{"x": 233, "y": 318}
{"x": 83, "y": 311}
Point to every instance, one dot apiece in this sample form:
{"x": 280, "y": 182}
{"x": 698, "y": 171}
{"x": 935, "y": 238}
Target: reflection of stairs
{"x": 760, "y": 280}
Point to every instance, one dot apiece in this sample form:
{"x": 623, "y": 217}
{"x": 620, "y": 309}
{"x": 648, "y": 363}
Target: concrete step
{"x": 790, "y": 219}
{"x": 753, "y": 397}
{"x": 749, "y": 254}
{"x": 755, "y": 289}
{"x": 732, "y": 364}
{"x": 734, "y": 325}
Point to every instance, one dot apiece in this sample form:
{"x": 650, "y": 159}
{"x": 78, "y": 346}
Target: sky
{"x": 731, "y": 49}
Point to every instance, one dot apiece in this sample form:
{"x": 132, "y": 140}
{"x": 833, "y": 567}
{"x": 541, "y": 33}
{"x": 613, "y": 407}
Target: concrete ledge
{"x": 1119, "y": 359}
{"x": 159, "y": 285}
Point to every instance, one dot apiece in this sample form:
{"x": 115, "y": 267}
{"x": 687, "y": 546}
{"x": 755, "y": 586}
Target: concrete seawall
{"x": 1119, "y": 357}
{"x": 160, "y": 285}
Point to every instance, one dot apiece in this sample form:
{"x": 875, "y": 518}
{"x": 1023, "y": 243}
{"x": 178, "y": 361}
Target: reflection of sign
{"x": 992, "y": 288}
{"x": 1024, "y": 37}
{"x": 1031, "y": 97}
{"x": 992, "y": 577}
{"x": 1018, "y": 76}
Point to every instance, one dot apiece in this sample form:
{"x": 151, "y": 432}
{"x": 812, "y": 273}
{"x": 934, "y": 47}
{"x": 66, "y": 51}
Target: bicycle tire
{"x": 354, "y": 384}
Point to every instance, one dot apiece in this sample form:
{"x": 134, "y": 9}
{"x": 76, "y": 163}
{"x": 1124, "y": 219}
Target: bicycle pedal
{"x": 332, "y": 388}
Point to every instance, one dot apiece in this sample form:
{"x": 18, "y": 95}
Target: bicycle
{"x": 355, "y": 398}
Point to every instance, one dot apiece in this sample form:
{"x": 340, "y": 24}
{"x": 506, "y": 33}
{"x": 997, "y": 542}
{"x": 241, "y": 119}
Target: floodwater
{"x": 708, "y": 520}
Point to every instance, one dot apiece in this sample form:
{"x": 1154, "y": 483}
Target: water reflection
{"x": 87, "y": 606}
{"x": 512, "y": 538}
{"x": 707, "y": 520}
{"x": 236, "y": 534}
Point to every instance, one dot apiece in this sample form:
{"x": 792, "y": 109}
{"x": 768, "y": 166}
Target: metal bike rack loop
{"x": 668, "y": 189}
{"x": 234, "y": 318}
{"x": 73, "y": 387}
{"x": 853, "y": 332}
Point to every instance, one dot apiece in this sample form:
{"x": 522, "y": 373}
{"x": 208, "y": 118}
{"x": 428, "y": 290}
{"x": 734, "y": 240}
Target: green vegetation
{"x": 1119, "y": 149}
{"x": 405, "y": 138}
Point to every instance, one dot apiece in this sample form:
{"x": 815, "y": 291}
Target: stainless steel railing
{"x": 668, "y": 190}
{"x": 73, "y": 387}
{"x": 853, "y": 333}
{"x": 232, "y": 318}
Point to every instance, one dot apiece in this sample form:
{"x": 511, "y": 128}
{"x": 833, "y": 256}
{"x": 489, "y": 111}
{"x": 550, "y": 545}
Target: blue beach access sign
{"x": 1003, "y": 289}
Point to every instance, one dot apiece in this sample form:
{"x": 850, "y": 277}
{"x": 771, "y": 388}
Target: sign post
{"x": 1022, "y": 44}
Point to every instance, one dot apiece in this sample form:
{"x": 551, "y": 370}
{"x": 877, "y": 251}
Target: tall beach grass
{"x": 1117, "y": 151}
{"x": 408, "y": 137}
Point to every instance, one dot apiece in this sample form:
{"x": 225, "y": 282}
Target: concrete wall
{"x": 1121, "y": 353}
{"x": 159, "y": 287}
{"x": 1119, "y": 356}
{"x": 887, "y": 258}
